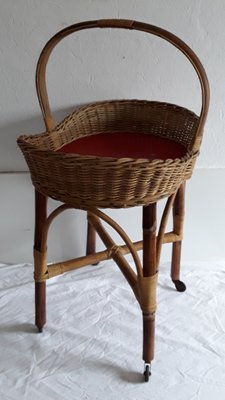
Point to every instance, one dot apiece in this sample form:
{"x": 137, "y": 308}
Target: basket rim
{"x": 26, "y": 140}
{"x": 94, "y": 104}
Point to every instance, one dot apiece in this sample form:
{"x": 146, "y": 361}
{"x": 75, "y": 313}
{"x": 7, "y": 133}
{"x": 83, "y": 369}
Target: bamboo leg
{"x": 149, "y": 269}
{"x": 91, "y": 240}
{"x": 40, "y": 287}
{"x": 178, "y": 221}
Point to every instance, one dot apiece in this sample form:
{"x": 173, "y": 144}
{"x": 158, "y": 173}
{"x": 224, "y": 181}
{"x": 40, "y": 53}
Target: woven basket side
{"x": 87, "y": 181}
{"x": 160, "y": 119}
{"x": 155, "y": 118}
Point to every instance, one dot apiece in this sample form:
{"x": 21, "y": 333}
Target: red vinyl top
{"x": 125, "y": 145}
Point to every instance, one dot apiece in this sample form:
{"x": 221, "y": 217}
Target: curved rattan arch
{"x": 125, "y": 24}
{"x": 100, "y": 215}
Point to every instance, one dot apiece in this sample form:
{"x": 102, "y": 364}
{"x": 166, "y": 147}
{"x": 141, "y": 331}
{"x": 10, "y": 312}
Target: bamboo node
{"x": 152, "y": 229}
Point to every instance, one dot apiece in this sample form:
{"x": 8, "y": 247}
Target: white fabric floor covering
{"x": 91, "y": 347}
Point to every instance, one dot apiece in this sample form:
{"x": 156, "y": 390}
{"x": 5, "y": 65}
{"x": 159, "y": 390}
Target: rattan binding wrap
{"x": 87, "y": 181}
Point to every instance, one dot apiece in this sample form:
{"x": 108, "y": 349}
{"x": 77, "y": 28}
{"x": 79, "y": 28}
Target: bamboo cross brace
{"x": 144, "y": 288}
{"x": 44, "y": 271}
{"x": 122, "y": 234}
{"x": 116, "y": 253}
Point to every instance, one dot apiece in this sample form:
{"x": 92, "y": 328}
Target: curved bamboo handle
{"x": 125, "y": 24}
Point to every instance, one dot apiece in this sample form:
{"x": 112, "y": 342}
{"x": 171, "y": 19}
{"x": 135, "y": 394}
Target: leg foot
{"x": 147, "y": 372}
{"x": 180, "y": 286}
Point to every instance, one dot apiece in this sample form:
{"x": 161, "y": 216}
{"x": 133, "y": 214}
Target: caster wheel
{"x": 147, "y": 372}
{"x": 40, "y": 330}
{"x": 180, "y": 286}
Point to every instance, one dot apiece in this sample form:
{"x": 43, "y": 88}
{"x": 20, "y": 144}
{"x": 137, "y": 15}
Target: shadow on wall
{"x": 11, "y": 159}
{"x": 67, "y": 236}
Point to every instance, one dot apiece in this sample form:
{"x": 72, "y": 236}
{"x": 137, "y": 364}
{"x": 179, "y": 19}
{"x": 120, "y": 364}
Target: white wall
{"x": 107, "y": 64}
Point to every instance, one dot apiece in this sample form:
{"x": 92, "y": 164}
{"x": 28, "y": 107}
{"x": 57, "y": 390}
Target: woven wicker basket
{"x": 89, "y": 181}
{"x": 86, "y": 181}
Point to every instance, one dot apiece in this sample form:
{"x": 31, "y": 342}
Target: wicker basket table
{"x": 90, "y": 181}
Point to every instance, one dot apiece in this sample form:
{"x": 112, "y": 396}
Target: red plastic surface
{"x": 123, "y": 145}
